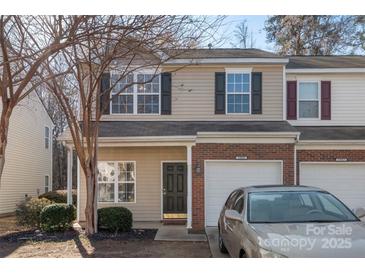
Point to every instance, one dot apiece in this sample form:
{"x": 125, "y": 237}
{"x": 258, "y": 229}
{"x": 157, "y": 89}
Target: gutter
{"x": 326, "y": 70}
{"x": 228, "y": 60}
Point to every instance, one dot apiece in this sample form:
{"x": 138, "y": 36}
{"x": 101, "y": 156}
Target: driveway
{"x": 212, "y": 235}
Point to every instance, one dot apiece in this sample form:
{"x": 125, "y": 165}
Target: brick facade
{"x": 328, "y": 156}
{"x": 202, "y": 152}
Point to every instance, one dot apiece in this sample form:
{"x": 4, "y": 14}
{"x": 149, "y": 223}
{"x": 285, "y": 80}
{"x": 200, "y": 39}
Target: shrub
{"x": 57, "y": 217}
{"x": 28, "y": 212}
{"x": 115, "y": 219}
{"x": 59, "y": 196}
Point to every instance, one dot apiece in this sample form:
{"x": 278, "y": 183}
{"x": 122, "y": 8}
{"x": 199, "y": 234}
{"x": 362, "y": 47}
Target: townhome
{"x": 217, "y": 119}
{"x": 28, "y": 166}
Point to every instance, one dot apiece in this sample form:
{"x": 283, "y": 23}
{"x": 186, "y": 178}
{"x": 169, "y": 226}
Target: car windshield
{"x": 296, "y": 207}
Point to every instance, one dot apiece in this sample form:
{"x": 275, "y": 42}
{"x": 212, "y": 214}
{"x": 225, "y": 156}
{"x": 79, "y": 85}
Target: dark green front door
{"x": 174, "y": 190}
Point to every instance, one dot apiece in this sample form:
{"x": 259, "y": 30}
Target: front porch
{"x": 139, "y": 179}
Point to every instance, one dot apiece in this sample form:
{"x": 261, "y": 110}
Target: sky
{"x": 255, "y": 25}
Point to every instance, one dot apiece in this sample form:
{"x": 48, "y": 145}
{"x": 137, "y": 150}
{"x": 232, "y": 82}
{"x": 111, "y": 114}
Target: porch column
{"x": 69, "y": 175}
{"x": 190, "y": 185}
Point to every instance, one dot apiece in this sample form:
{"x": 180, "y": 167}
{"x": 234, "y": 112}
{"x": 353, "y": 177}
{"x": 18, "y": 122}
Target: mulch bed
{"x": 36, "y": 235}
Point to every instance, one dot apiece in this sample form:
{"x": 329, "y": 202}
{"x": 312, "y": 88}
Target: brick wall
{"x": 201, "y": 152}
{"x": 328, "y": 156}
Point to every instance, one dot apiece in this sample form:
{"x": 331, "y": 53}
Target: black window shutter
{"x": 105, "y": 93}
{"x": 256, "y": 101}
{"x": 220, "y": 93}
{"x": 166, "y": 93}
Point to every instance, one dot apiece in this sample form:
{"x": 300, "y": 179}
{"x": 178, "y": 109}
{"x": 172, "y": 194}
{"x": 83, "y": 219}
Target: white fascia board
{"x": 326, "y": 70}
{"x": 145, "y": 139}
{"x": 228, "y": 61}
{"x": 248, "y": 134}
{"x": 331, "y": 142}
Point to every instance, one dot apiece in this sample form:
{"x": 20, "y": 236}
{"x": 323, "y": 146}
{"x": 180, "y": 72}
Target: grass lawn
{"x": 17, "y": 242}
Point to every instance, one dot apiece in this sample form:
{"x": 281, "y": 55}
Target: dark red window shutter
{"x": 291, "y": 100}
{"x": 326, "y": 100}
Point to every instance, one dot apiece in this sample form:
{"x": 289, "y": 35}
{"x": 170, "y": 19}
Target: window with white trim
{"x": 46, "y": 184}
{"x": 143, "y": 97}
{"x": 238, "y": 92}
{"x": 46, "y": 137}
{"x": 308, "y": 100}
{"x": 117, "y": 182}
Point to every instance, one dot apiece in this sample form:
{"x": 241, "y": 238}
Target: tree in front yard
{"x": 123, "y": 45}
{"x": 26, "y": 42}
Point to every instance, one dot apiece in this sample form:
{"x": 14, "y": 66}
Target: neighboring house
{"x": 28, "y": 165}
{"x": 229, "y": 118}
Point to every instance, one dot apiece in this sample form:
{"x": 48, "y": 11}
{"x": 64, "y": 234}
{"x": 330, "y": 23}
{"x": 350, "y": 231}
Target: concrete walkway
{"x": 212, "y": 235}
{"x": 178, "y": 233}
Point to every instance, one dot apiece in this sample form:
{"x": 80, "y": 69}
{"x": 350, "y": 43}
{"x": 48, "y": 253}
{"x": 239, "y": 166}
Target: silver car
{"x": 289, "y": 221}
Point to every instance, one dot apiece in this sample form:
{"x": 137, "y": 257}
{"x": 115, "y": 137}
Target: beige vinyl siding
{"x": 348, "y": 99}
{"x": 27, "y": 160}
{"x": 193, "y": 95}
{"x": 148, "y": 178}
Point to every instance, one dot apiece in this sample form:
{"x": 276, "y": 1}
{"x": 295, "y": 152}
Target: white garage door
{"x": 222, "y": 177}
{"x": 344, "y": 180}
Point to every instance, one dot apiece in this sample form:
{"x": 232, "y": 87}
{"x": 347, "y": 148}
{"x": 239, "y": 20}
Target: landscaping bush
{"x": 28, "y": 212}
{"x": 57, "y": 217}
{"x": 59, "y": 196}
{"x": 115, "y": 219}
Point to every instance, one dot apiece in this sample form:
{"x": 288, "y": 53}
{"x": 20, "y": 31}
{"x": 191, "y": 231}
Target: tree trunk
{"x": 4, "y": 129}
{"x": 91, "y": 200}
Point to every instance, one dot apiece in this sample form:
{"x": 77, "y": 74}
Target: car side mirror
{"x": 233, "y": 215}
{"x": 360, "y": 212}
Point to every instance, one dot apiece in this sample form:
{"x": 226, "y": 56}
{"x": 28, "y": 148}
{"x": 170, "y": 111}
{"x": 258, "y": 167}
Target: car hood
{"x": 343, "y": 239}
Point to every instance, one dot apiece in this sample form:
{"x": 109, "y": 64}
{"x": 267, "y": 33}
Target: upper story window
{"x": 46, "y": 137}
{"x": 143, "y": 97}
{"x": 308, "y": 102}
{"x": 238, "y": 92}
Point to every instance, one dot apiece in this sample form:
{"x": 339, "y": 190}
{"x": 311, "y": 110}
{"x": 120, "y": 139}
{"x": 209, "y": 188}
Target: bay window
{"x": 308, "y": 102}
{"x": 141, "y": 97}
{"x": 116, "y": 181}
{"x": 238, "y": 92}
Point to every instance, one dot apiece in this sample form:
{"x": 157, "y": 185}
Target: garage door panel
{"x": 222, "y": 177}
{"x": 345, "y": 181}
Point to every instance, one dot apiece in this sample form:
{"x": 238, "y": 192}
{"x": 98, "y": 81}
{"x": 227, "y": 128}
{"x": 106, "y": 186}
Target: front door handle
{"x": 164, "y": 191}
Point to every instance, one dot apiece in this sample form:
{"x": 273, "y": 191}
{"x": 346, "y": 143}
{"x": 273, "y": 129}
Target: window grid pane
{"x": 308, "y": 109}
{"x": 122, "y": 103}
{"x": 308, "y": 91}
{"x": 238, "y": 103}
{"x": 120, "y": 86}
{"x": 238, "y": 83}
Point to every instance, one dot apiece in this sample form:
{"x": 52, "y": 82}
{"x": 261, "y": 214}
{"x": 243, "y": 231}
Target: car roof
{"x": 273, "y": 188}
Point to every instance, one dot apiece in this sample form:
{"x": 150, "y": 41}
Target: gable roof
{"x": 319, "y": 62}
